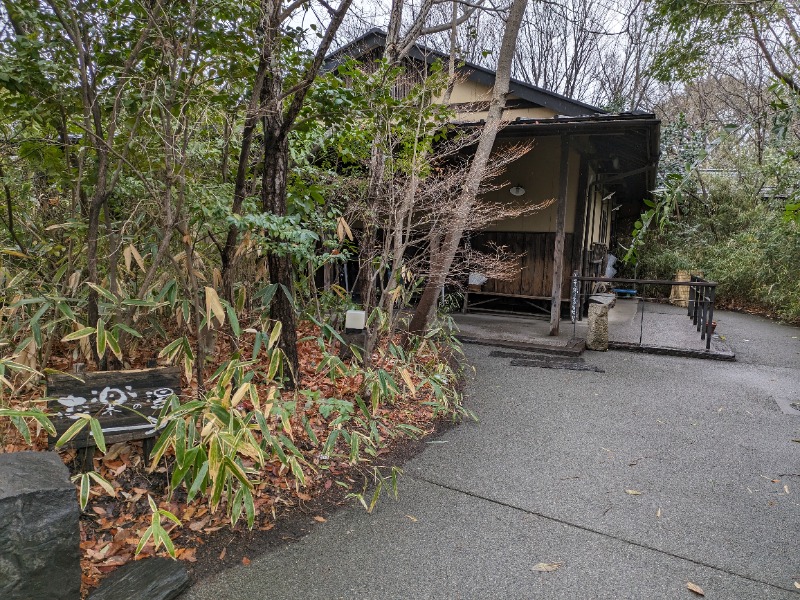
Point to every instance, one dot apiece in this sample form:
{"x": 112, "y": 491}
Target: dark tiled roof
{"x": 376, "y": 38}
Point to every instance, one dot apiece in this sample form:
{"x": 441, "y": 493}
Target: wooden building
{"x": 598, "y": 165}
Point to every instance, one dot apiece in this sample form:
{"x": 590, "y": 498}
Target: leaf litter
{"x": 111, "y": 526}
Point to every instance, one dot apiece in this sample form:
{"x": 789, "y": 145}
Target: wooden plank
{"x": 514, "y": 296}
{"x": 517, "y": 243}
{"x": 549, "y": 245}
{"x": 527, "y": 281}
{"x": 544, "y": 248}
{"x": 536, "y": 265}
{"x": 126, "y": 403}
{"x": 534, "y": 278}
{"x": 484, "y": 241}
{"x": 558, "y": 249}
{"x": 500, "y": 238}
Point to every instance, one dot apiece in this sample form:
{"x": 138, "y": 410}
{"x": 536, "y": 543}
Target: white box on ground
{"x": 355, "y": 319}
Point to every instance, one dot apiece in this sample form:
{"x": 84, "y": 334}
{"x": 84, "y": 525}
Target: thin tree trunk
{"x": 113, "y": 250}
{"x": 10, "y": 212}
{"x": 240, "y": 186}
{"x": 92, "y": 234}
{"x": 440, "y": 269}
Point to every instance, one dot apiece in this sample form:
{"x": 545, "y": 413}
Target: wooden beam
{"x": 558, "y": 252}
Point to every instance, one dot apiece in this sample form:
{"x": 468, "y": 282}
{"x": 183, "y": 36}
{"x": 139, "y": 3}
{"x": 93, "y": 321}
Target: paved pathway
{"x": 543, "y": 478}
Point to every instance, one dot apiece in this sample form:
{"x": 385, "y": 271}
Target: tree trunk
{"x": 273, "y": 199}
{"x": 440, "y": 269}
{"x": 240, "y": 187}
{"x": 92, "y": 234}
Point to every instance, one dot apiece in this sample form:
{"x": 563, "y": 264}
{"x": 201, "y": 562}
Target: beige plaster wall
{"x": 470, "y": 91}
{"x": 510, "y": 114}
{"x": 538, "y": 172}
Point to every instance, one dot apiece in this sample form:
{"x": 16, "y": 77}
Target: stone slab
{"x": 151, "y": 579}
{"x": 39, "y": 535}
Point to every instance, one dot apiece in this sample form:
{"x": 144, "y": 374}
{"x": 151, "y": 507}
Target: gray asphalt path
{"x": 546, "y": 477}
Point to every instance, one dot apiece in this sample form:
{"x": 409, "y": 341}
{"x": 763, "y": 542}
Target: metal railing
{"x": 702, "y": 296}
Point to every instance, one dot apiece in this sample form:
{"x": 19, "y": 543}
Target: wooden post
{"x": 558, "y": 252}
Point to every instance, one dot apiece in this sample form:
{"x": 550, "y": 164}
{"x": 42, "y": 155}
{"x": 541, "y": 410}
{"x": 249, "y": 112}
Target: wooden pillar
{"x": 558, "y": 253}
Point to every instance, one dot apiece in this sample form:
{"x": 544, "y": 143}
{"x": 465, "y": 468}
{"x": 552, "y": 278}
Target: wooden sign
{"x": 574, "y": 298}
{"x": 126, "y": 403}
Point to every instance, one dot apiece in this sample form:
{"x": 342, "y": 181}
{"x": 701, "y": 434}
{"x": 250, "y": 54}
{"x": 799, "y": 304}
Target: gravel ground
{"x": 631, "y": 481}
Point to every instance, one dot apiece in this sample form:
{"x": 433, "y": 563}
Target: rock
{"x": 352, "y": 339}
{"x": 151, "y": 578}
{"x": 39, "y": 535}
{"x": 597, "y": 335}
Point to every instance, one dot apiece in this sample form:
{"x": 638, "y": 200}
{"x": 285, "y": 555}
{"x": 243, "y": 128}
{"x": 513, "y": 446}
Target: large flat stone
{"x": 39, "y": 535}
{"x": 152, "y": 578}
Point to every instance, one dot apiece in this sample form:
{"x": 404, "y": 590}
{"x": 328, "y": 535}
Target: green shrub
{"x": 738, "y": 238}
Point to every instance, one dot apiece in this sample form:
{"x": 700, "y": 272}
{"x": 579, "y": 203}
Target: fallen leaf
{"x": 633, "y": 492}
{"x": 414, "y": 519}
{"x": 115, "y": 451}
{"x": 303, "y": 496}
{"x": 223, "y": 553}
{"x": 187, "y": 554}
{"x": 797, "y": 584}
{"x": 198, "y": 525}
{"x": 786, "y": 489}
{"x": 547, "y": 567}
{"x": 245, "y": 561}
{"x": 99, "y": 510}
{"x": 695, "y": 588}
{"x": 115, "y": 561}
{"x": 319, "y": 519}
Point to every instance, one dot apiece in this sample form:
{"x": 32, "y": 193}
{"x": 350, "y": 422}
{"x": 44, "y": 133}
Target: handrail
{"x": 641, "y": 281}
{"x": 702, "y": 311}
{"x": 702, "y": 296}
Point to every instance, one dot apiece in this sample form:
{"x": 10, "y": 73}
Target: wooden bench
{"x": 126, "y": 403}
{"x": 492, "y": 296}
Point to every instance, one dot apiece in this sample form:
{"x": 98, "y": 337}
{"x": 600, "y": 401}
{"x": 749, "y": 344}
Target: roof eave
{"x": 375, "y": 38}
